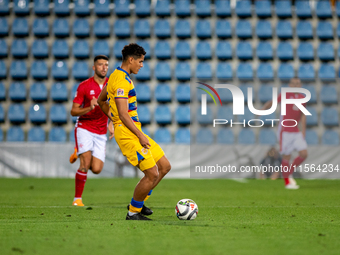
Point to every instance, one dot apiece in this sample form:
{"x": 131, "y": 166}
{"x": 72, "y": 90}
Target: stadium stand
{"x": 15, "y": 134}
{"x": 36, "y": 134}
{"x": 163, "y": 136}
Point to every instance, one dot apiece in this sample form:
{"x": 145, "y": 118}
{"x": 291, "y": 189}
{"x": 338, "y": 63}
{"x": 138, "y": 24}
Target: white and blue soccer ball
{"x": 186, "y": 209}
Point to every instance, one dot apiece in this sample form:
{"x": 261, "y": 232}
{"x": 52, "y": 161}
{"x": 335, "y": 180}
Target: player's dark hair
{"x": 100, "y": 57}
{"x": 132, "y": 50}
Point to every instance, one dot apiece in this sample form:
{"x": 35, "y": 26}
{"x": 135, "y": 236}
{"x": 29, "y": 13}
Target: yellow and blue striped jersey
{"x": 120, "y": 85}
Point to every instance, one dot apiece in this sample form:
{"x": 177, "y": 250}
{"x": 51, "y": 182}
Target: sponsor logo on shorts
{"x": 144, "y": 151}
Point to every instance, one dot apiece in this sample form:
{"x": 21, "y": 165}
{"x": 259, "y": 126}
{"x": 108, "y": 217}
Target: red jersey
{"x": 292, "y": 112}
{"x": 95, "y": 120}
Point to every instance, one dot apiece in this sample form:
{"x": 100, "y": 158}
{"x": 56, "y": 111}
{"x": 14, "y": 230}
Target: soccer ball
{"x": 186, "y": 209}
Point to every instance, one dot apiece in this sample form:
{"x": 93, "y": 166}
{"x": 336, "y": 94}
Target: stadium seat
{"x": 163, "y": 115}
{"x": 205, "y": 119}
{"x": 327, "y": 72}
{"x": 203, "y": 8}
{"x": 330, "y": 137}
{"x": 2, "y": 115}
{"x": 325, "y": 51}
{"x": 264, "y": 29}
{"x": 19, "y": 48}
{"x": 57, "y": 134}
{"x": 183, "y": 71}
{"x": 284, "y": 30}
{"x": 15, "y": 134}
{"x": 163, "y": 93}
{"x": 60, "y": 49}
{"x": 182, "y": 136}
{"x": 144, "y": 114}
{"x": 283, "y": 8}
{"x": 244, "y": 71}
{"x": 144, "y": 73}
{"x": 264, "y": 51}
{"x": 81, "y": 28}
{"x": 246, "y": 136}
{"x": 306, "y": 72}
{"x": 41, "y": 27}
{"x": 182, "y": 115}
{"x": 304, "y": 30}
{"x": 122, "y": 28}
{"x": 243, "y": 8}
{"x": 71, "y": 137}
{"x": 311, "y": 89}
{"x": 303, "y": 9}
{"x": 163, "y": 71}
{"x": 4, "y": 28}
{"x": 203, "y": 50}
{"x": 203, "y": 71}
{"x": 226, "y": 97}
{"x": 267, "y": 136}
{"x": 204, "y": 136}
{"x": 16, "y": 113}
{"x": 142, "y": 8}
{"x": 203, "y": 29}
{"x": 18, "y": 70}
{"x": 222, "y": 8}
{"x": 244, "y": 51}
{"x": 182, "y": 93}
{"x": 223, "y": 50}
{"x": 329, "y": 95}
{"x": 142, "y": 28}
{"x": 330, "y": 116}
{"x": 100, "y": 47}
{"x": 61, "y": 8}
{"x": 81, "y": 7}
{"x": 2, "y": 92}
{"x": 38, "y": 92}
{"x": 17, "y": 92}
{"x": 199, "y": 94}
{"x": 312, "y": 120}
{"x": 144, "y": 93}
{"x": 81, "y": 49}
{"x": 224, "y": 71}
{"x": 122, "y": 8}
{"x": 60, "y": 70}
{"x": 183, "y": 29}
{"x": 265, "y": 71}
{"x": 244, "y": 89}
{"x": 223, "y": 29}
{"x": 1, "y": 135}
{"x": 338, "y": 30}
{"x": 39, "y": 70}
{"x": 337, "y": 6}
{"x": 162, "y": 50}
{"x": 58, "y": 114}
{"x": 37, "y": 114}
{"x": 265, "y": 93}
{"x": 285, "y": 72}
{"x": 267, "y": 120}
{"x": 4, "y": 7}
{"x": 102, "y": 8}
{"x": 80, "y": 70}
{"x": 146, "y": 47}
{"x": 162, "y": 29}
{"x": 305, "y": 51}
{"x": 36, "y": 134}
{"x": 74, "y": 90}
{"x": 243, "y": 29}
{"x": 323, "y": 9}
{"x": 311, "y": 137}
{"x": 20, "y": 27}
{"x": 182, "y": 50}
{"x": 40, "y": 48}
{"x": 284, "y": 51}
{"x": 225, "y": 136}
{"x": 3, "y": 48}
{"x": 101, "y": 28}
{"x": 324, "y": 30}
{"x": 59, "y": 92}
{"x": 162, "y": 8}
{"x": 41, "y": 7}
{"x": 3, "y": 70}
{"x": 163, "y": 136}
{"x": 61, "y": 27}
{"x": 263, "y": 9}
{"x": 182, "y": 8}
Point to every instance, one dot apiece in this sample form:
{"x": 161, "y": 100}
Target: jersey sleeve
{"x": 279, "y": 99}
{"x": 79, "y": 96}
{"x": 121, "y": 90}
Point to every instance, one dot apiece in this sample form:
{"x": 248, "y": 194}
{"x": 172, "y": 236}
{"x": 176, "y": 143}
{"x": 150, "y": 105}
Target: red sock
{"x": 297, "y": 161}
{"x": 80, "y": 183}
{"x": 285, "y": 171}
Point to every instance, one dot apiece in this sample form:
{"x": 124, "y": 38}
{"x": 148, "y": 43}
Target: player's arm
{"x": 303, "y": 125}
{"x": 77, "y": 110}
{"x": 103, "y": 104}
{"x": 267, "y": 105}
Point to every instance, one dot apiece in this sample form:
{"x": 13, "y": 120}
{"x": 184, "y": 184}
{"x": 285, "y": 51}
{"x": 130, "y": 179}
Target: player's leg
{"x": 98, "y": 153}
{"x": 81, "y": 177}
{"x": 285, "y": 168}
{"x": 164, "y": 167}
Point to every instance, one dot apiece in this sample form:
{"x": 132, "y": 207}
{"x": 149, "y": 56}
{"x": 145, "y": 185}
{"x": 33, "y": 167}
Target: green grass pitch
{"x": 255, "y": 217}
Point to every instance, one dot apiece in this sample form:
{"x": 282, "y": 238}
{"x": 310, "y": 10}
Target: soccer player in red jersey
{"x": 291, "y": 138}
{"x": 91, "y": 126}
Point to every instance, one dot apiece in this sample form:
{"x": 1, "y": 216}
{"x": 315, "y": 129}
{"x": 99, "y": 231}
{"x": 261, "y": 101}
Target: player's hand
{"x": 111, "y": 130}
{"x": 144, "y": 141}
{"x": 94, "y": 103}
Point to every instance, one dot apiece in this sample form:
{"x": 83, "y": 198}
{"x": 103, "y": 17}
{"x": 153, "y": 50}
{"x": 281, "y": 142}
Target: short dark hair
{"x": 132, "y": 50}
{"x": 100, "y": 57}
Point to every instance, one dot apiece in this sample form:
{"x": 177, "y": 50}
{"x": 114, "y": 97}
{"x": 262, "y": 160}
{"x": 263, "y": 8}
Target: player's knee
{"x": 96, "y": 170}
{"x": 303, "y": 154}
{"x": 167, "y": 167}
{"x": 153, "y": 174}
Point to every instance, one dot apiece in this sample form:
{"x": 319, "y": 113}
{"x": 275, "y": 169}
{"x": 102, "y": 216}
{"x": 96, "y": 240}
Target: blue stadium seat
{"x": 330, "y": 137}
{"x": 183, "y": 29}
{"x": 265, "y": 93}
{"x": 74, "y": 90}
{"x": 61, "y": 27}
{"x": 244, "y": 51}
{"x": 3, "y": 49}
{"x": 39, "y": 70}
{"x": 1, "y": 135}
{"x": 243, "y": 8}
{"x": 244, "y": 89}
{"x": 338, "y": 30}
{"x": 81, "y": 49}
{"x": 20, "y": 27}
{"x": 283, "y": 8}
{"x": 41, "y": 7}
{"x": 3, "y": 70}
{"x": 246, "y": 136}
{"x": 284, "y": 51}
{"x": 146, "y": 47}
{"x": 203, "y": 8}
{"x": 303, "y": 9}
{"x": 182, "y": 50}
{"x": 182, "y": 93}
{"x": 323, "y": 9}
{"x": 163, "y": 115}
{"x": 199, "y": 94}
{"x": 266, "y": 120}
{"x": 183, "y": 71}
{"x": 324, "y": 30}
{"x": 330, "y": 116}
{"x": 182, "y": 136}
{"x": 102, "y": 7}
{"x": 265, "y": 71}
{"x": 306, "y": 72}
{"x": 264, "y": 51}
{"x": 16, "y": 113}
{"x": 71, "y": 137}
{"x": 38, "y": 92}
{"x": 204, "y": 71}
{"x": 267, "y": 136}
{"x": 162, "y": 29}
{"x": 142, "y": 8}
{"x": 311, "y": 137}
{"x": 312, "y": 120}
{"x": 222, "y": 8}
{"x": 101, "y": 47}
{"x": 162, "y": 8}
{"x": 305, "y": 51}
{"x": 61, "y": 8}
{"x": 15, "y": 134}
{"x": 80, "y": 70}
{"x": 284, "y": 30}
{"x": 311, "y": 89}
{"x": 203, "y": 29}
{"x": 225, "y": 136}
{"x": 325, "y": 51}
{"x": 122, "y": 28}
{"x": 4, "y": 28}
{"x": 60, "y": 49}
{"x": 81, "y": 7}
{"x": 163, "y": 136}
{"x": 264, "y": 29}
{"x": 2, "y": 92}
{"x": 244, "y": 71}
{"x": 4, "y": 7}
{"x": 2, "y": 115}
{"x": 225, "y": 112}
{"x": 223, "y": 29}
{"x": 162, "y": 50}
{"x": 19, "y": 48}
{"x": 163, "y": 93}
{"x": 144, "y": 73}
{"x": 329, "y": 95}
{"x": 57, "y": 134}
{"x": 40, "y": 49}
{"x": 81, "y": 28}
{"x": 144, "y": 114}
{"x": 41, "y": 27}
{"x": 224, "y": 71}
{"x": 205, "y": 119}
{"x": 59, "y": 92}
{"x": 122, "y": 8}
{"x": 304, "y": 30}
{"x": 142, "y": 28}
{"x": 37, "y": 114}
{"x": 243, "y": 29}
{"x": 327, "y": 72}
{"x": 263, "y": 8}
{"x": 163, "y": 71}
{"x": 337, "y": 6}
{"x": 58, "y": 114}
{"x": 17, "y": 92}
{"x": 18, "y": 70}
{"x": 182, "y": 115}
{"x": 36, "y": 134}
{"x": 182, "y": 8}
{"x": 143, "y": 93}
{"x": 224, "y": 50}
{"x": 60, "y": 70}
{"x": 285, "y": 71}
{"x": 101, "y": 28}
{"x": 203, "y": 50}
{"x": 204, "y": 136}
